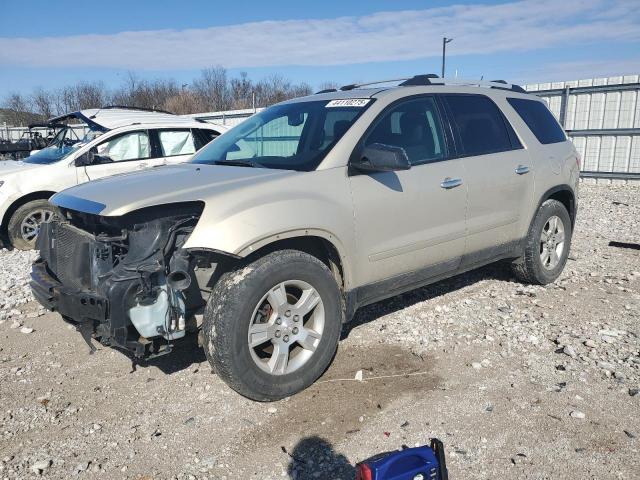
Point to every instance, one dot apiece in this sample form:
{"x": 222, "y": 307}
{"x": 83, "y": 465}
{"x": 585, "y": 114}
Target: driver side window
{"x": 413, "y": 125}
{"x": 128, "y": 146}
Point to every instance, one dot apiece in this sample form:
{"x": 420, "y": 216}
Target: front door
{"x": 127, "y": 152}
{"x": 410, "y": 225}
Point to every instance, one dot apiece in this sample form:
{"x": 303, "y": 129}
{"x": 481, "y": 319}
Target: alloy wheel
{"x": 286, "y": 327}
{"x": 552, "y": 242}
{"x": 30, "y": 226}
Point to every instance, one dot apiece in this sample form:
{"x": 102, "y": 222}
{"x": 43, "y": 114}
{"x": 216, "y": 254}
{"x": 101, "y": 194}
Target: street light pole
{"x": 445, "y": 40}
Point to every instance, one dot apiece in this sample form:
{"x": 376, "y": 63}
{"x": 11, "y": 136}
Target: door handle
{"x": 522, "y": 169}
{"x": 451, "y": 182}
{"x": 142, "y": 165}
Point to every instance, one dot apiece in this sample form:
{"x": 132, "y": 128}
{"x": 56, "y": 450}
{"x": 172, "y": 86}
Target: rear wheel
{"x": 272, "y": 328}
{"x": 24, "y": 224}
{"x": 547, "y": 245}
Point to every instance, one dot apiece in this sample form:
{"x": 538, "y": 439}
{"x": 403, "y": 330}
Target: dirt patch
{"x": 337, "y": 406}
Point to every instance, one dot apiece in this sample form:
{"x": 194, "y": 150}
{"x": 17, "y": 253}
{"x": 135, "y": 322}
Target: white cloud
{"x": 384, "y": 36}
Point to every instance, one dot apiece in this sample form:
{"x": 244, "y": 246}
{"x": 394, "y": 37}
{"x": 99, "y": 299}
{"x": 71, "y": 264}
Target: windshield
{"x": 294, "y": 136}
{"x": 55, "y": 153}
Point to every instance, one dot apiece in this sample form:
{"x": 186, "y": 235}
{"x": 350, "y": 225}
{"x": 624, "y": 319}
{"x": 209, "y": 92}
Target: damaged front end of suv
{"x": 126, "y": 281}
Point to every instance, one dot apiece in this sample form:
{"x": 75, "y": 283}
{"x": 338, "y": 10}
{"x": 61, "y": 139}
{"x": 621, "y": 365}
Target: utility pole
{"x": 445, "y": 40}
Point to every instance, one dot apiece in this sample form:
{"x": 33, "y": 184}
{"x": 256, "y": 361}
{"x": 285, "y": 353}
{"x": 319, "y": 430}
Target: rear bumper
{"x": 77, "y": 305}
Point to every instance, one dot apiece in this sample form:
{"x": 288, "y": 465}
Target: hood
{"x": 8, "y": 167}
{"x": 121, "y": 194}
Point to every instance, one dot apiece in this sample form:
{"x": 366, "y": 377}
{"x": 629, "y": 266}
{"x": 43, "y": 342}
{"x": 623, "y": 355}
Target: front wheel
{"x": 24, "y": 224}
{"x": 272, "y": 328}
{"x": 546, "y": 246}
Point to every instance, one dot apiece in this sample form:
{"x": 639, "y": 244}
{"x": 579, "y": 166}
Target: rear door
{"x": 126, "y": 152}
{"x": 498, "y": 175}
{"x": 410, "y": 224}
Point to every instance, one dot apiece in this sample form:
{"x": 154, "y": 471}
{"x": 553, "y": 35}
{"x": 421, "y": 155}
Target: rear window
{"x": 176, "y": 142}
{"x": 481, "y": 127}
{"x": 205, "y": 136}
{"x": 539, "y": 120}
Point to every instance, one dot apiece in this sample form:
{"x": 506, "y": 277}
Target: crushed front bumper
{"x": 73, "y": 305}
{"x": 116, "y": 298}
{"x": 91, "y": 313}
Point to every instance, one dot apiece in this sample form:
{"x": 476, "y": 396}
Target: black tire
{"x": 14, "y": 233}
{"x": 529, "y": 268}
{"x": 227, "y": 318}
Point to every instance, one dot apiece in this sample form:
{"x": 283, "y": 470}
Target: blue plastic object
{"x": 420, "y": 463}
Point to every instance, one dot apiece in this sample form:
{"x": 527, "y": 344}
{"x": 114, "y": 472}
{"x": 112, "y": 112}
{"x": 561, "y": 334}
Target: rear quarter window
{"x": 539, "y": 119}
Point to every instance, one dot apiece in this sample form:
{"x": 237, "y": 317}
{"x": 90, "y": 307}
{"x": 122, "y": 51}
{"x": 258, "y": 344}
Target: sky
{"x": 53, "y": 44}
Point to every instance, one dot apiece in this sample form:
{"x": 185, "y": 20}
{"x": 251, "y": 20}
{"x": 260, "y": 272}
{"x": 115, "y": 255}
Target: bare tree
{"x": 328, "y": 86}
{"x": 183, "y": 103}
{"x": 242, "y": 92}
{"x": 144, "y": 94}
{"x": 213, "y": 90}
{"x": 42, "y": 103}
{"x": 276, "y": 89}
{"x": 18, "y": 110}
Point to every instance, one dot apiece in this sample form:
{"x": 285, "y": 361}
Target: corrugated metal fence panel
{"x": 587, "y": 113}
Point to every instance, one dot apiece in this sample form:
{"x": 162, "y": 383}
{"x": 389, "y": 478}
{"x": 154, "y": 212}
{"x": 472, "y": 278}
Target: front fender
{"x": 311, "y": 204}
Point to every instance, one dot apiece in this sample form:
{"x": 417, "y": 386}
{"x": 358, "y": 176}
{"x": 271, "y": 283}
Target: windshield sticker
{"x": 349, "y": 102}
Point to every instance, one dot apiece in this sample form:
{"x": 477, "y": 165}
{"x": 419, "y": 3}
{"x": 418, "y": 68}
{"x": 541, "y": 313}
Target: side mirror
{"x": 382, "y": 158}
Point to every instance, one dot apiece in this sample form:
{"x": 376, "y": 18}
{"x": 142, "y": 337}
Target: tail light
{"x": 363, "y": 472}
{"x": 578, "y": 161}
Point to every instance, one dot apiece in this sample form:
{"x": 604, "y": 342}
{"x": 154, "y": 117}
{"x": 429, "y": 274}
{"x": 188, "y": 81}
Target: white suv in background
{"x": 118, "y": 140}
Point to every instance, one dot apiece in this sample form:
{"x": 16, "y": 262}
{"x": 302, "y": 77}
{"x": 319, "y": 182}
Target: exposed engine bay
{"x": 127, "y": 281}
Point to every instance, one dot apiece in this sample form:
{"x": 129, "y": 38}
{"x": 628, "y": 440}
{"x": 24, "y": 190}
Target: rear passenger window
{"x": 480, "y": 124}
{"x": 204, "y": 136}
{"x": 176, "y": 142}
{"x": 539, "y": 120}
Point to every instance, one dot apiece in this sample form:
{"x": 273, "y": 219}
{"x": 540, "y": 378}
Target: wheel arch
{"x": 319, "y": 244}
{"x": 565, "y": 195}
{"x": 39, "y": 195}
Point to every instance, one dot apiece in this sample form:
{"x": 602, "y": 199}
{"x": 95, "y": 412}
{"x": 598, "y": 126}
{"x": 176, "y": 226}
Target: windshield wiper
{"x": 239, "y": 163}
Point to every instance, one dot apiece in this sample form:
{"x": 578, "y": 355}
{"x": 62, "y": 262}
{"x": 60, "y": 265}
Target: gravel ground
{"x": 517, "y": 381}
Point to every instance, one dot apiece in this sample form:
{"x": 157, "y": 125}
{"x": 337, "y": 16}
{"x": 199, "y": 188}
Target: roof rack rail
{"x": 432, "y": 79}
{"x": 419, "y": 80}
{"x": 142, "y": 109}
{"x": 435, "y": 80}
{"x": 377, "y": 82}
{"x": 326, "y": 90}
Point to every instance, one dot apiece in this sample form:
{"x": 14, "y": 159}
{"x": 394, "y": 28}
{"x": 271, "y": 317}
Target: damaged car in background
{"x": 116, "y": 140}
{"x": 278, "y": 230}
